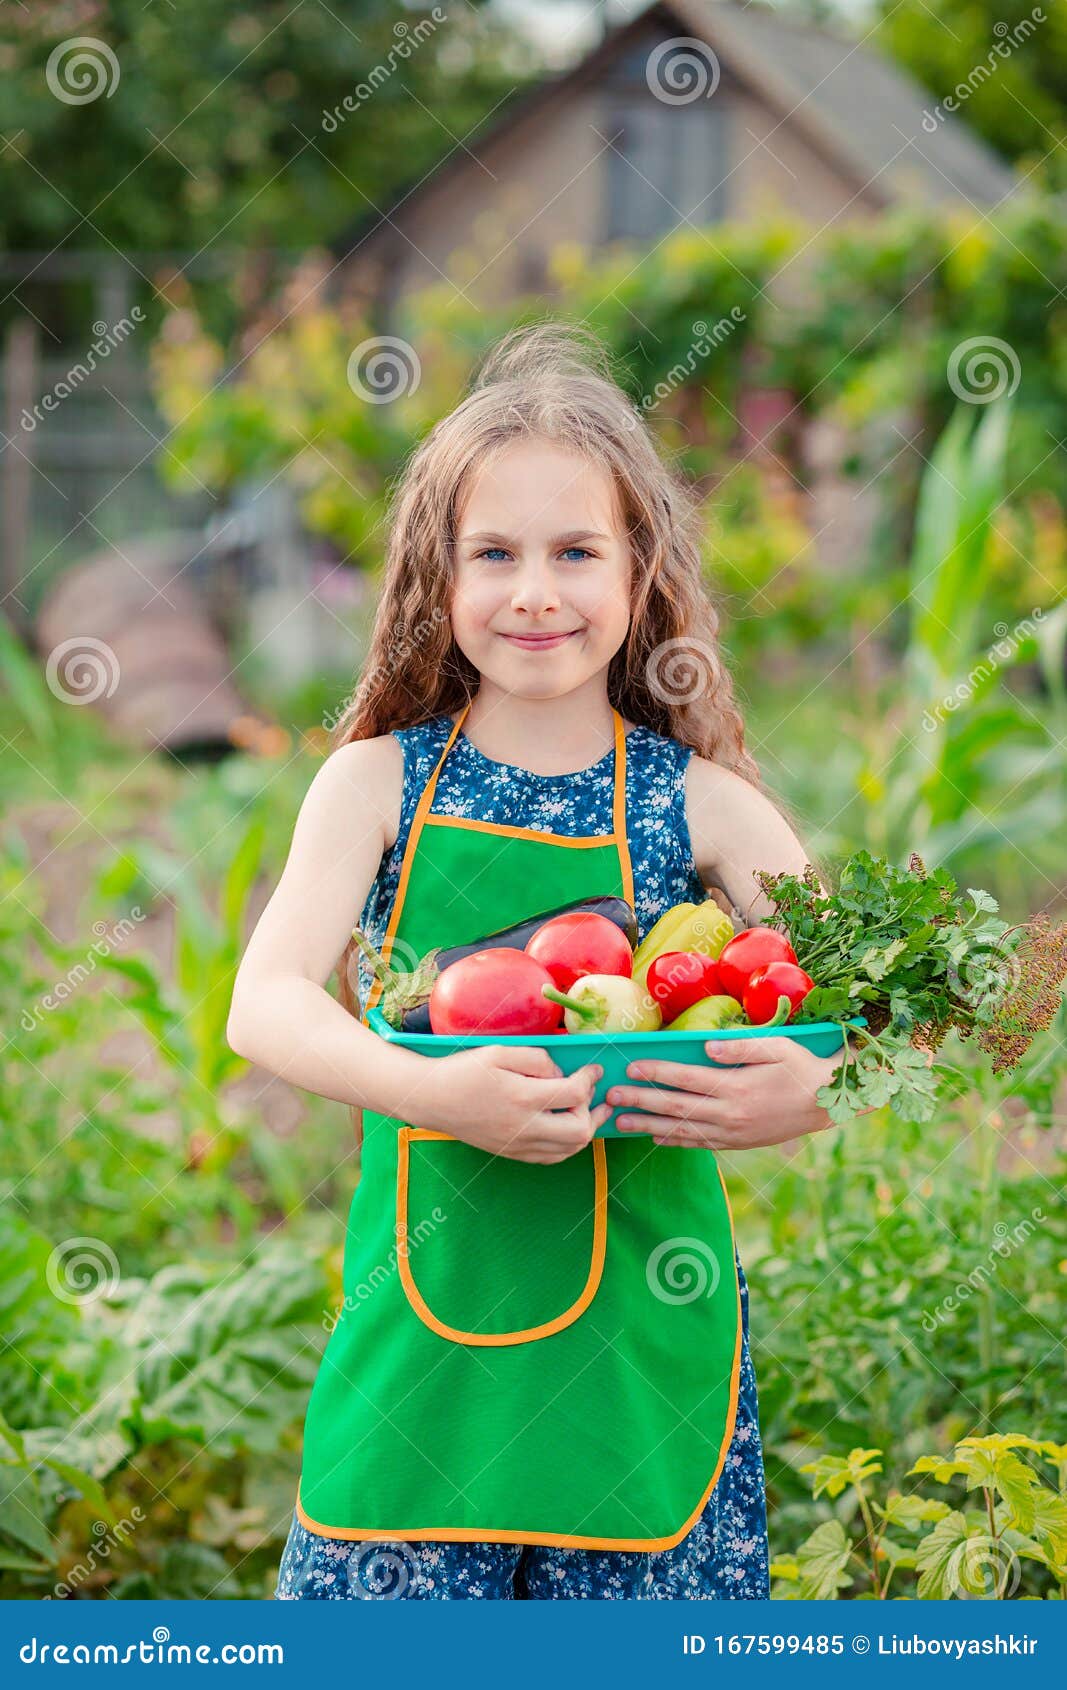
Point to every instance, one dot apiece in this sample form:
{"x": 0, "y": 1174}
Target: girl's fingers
{"x": 559, "y": 1127}
{"x": 706, "y": 1082}
{"x": 567, "y": 1131}
{"x": 669, "y": 1132}
{"x": 683, "y": 1105}
{"x": 570, "y": 1090}
{"x": 533, "y": 1060}
{"x": 767, "y": 1047}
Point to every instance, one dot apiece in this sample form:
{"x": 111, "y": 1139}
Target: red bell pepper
{"x": 773, "y": 993}
{"x": 678, "y": 979}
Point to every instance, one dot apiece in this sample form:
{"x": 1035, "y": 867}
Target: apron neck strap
{"x": 618, "y": 802}
{"x": 618, "y": 807}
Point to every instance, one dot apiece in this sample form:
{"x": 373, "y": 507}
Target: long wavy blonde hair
{"x": 550, "y": 381}
{"x": 554, "y": 382}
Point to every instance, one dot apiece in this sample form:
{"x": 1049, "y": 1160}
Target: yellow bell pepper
{"x": 703, "y": 928}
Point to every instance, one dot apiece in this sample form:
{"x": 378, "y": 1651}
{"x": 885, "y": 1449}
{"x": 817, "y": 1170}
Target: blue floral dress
{"x": 725, "y": 1555}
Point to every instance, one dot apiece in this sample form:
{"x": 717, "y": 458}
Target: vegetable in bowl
{"x": 885, "y": 966}
{"x": 917, "y": 958}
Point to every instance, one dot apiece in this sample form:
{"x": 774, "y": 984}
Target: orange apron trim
{"x": 557, "y": 1540}
{"x": 618, "y": 837}
{"x": 529, "y": 1333}
{"x": 422, "y": 818}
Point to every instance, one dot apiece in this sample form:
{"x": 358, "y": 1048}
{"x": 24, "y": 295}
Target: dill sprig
{"x": 918, "y": 959}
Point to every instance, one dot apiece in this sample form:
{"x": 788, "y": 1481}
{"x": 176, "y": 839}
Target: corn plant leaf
{"x": 10, "y": 1562}
{"x": 240, "y": 878}
{"x": 1051, "y": 641}
{"x": 26, "y": 685}
{"x": 37, "y": 1330}
{"x": 950, "y": 557}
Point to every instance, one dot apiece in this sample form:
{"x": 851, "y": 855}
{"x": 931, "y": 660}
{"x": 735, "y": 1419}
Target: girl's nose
{"x": 535, "y": 591}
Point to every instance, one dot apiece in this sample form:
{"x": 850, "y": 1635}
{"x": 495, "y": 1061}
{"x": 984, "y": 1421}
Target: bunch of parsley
{"x": 915, "y": 957}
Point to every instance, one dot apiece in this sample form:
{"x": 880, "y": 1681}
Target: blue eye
{"x": 575, "y": 554}
{"x": 493, "y": 553}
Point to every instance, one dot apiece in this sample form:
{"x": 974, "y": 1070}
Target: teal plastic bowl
{"x": 616, "y": 1051}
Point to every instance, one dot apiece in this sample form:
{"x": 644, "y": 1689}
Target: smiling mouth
{"x": 540, "y": 642}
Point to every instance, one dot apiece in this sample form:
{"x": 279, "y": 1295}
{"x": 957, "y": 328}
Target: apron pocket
{"x": 495, "y": 1251}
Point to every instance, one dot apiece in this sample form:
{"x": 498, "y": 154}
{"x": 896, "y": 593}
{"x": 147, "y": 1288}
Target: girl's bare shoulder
{"x": 707, "y": 780}
{"x": 360, "y": 783}
{"x": 736, "y": 827}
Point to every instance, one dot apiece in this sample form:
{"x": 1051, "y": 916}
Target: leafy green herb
{"x": 916, "y": 957}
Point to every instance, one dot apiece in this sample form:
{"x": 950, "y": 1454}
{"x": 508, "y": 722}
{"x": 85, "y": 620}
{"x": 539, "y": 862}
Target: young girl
{"x": 539, "y": 1385}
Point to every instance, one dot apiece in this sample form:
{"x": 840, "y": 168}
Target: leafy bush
{"x": 987, "y": 1551}
{"x": 202, "y": 1367}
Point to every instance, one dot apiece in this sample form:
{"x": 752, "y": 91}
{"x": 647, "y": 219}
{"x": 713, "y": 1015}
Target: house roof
{"x": 853, "y": 104}
{"x": 868, "y": 110}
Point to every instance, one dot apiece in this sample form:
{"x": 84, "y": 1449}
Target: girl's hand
{"x": 767, "y": 1098}
{"x": 510, "y": 1099}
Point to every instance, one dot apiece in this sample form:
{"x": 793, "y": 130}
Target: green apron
{"x": 525, "y": 1353}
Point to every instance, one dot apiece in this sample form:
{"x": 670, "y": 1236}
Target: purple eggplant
{"x": 416, "y": 1019}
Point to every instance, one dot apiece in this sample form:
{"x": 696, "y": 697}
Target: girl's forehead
{"x": 535, "y": 483}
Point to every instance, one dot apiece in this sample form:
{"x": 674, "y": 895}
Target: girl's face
{"x": 541, "y": 599}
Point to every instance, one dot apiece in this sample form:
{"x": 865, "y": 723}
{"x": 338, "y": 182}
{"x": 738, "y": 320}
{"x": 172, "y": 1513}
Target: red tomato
{"x": 678, "y": 979}
{"x": 747, "y": 951}
{"x": 579, "y": 943}
{"x": 493, "y": 992}
{"x": 767, "y": 985}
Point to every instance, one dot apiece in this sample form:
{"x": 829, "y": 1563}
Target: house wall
{"x": 490, "y": 225}
{"x": 776, "y": 170}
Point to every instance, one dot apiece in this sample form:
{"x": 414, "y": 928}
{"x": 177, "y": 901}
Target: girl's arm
{"x": 283, "y": 1018}
{"x": 769, "y": 1096}
{"x": 735, "y": 830}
